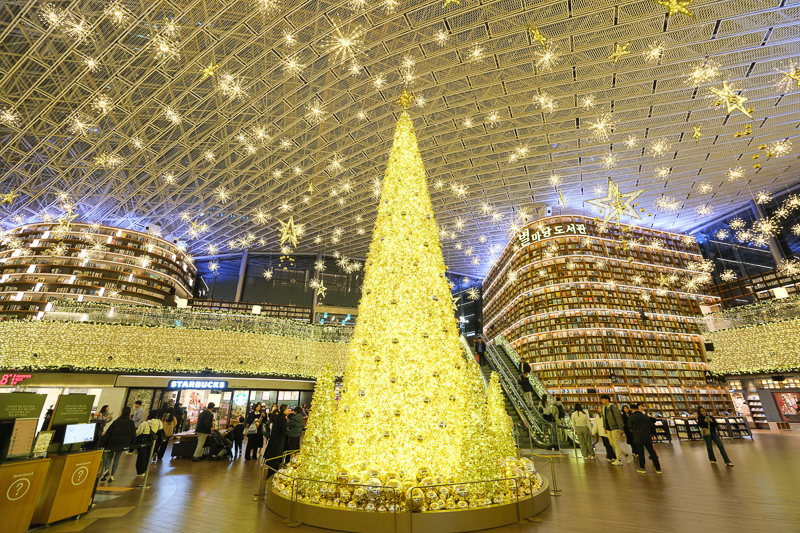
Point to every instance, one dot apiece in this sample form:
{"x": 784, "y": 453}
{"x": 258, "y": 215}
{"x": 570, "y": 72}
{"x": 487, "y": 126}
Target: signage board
{"x": 72, "y": 409}
{"x": 537, "y": 233}
{"x": 15, "y": 405}
{"x": 12, "y": 380}
{"x": 197, "y": 384}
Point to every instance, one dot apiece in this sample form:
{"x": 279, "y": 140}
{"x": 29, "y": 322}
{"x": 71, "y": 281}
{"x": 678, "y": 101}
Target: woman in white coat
{"x": 582, "y": 426}
{"x": 600, "y": 431}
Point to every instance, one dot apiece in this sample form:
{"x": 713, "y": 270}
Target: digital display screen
{"x": 42, "y": 443}
{"x": 22, "y": 437}
{"x": 79, "y": 433}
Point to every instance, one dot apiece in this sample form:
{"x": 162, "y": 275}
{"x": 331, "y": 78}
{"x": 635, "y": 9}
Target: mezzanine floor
{"x": 760, "y": 493}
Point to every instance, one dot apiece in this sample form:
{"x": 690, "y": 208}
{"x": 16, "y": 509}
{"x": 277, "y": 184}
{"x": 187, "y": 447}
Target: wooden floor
{"x": 760, "y": 494}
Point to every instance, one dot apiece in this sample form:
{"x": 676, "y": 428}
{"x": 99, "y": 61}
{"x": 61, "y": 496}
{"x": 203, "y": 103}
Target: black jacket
{"x": 238, "y": 433}
{"x": 480, "y": 347}
{"x": 277, "y": 437}
{"x": 642, "y": 427}
{"x": 525, "y": 384}
{"x": 120, "y": 434}
{"x": 712, "y": 425}
{"x": 204, "y": 422}
{"x": 252, "y": 418}
{"x": 524, "y": 367}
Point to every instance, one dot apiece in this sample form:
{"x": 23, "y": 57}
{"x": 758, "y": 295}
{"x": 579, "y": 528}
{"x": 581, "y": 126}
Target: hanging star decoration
{"x": 7, "y": 198}
{"x": 619, "y": 51}
{"x": 209, "y": 70}
{"x": 731, "y": 100}
{"x": 537, "y": 36}
{"x": 448, "y": 2}
{"x": 289, "y": 232}
{"x": 455, "y": 300}
{"x": 473, "y": 294}
{"x": 405, "y": 99}
{"x": 793, "y": 75}
{"x": 321, "y": 290}
{"x": 616, "y": 204}
{"x": 676, "y": 6}
{"x": 697, "y": 133}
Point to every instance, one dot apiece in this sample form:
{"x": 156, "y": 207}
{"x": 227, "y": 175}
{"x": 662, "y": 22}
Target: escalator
{"x": 508, "y": 357}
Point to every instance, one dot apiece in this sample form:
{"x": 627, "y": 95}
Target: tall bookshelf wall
{"x": 586, "y": 327}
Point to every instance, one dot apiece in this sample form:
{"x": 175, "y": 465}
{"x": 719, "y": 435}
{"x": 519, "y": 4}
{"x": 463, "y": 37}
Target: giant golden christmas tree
{"x": 412, "y": 407}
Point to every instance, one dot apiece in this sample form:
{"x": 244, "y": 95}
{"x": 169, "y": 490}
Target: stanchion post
{"x": 149, "y": 460}
{"x": 533, "y": 518}
{"x": 554, "y": 490}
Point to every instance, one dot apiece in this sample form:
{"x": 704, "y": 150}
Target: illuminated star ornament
{"x": 793, "y": 75}
{"x": 448, "y": 2}
{"x": 289, "y": 232}
{"x": 209, "y": 70}
{"x": 321, "y": 290}
{"x": 619, "y": 51}
{"x": 731, "y": 100}
{"x": 405, "y": 99}
{"x": 616, "y": 204}
{"x": 697, "y": 133}
{"x": 676, "y": 6}
{"x": 7, "y": 198}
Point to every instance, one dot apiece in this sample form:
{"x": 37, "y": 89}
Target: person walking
{"x": 255, "y": 432}
{"x": 612, "y": 421}
{"x": 626, "y": 412}
{"x": 709, "y": 431}
{"x": 480, "y": 350}
{"x": 238, "y": 437}
{"x": 169, "y": 422}
{"x": 294, "y": 430}
{"x": 599, "y": 430}
{"x": 277, "y": 440}
{"x": 104, "y": 415}
{"x": 581, "y": 424}
{"x": 205, "y": 423}
{"x": 138, "y": 413}
{"x": 147, "y": 439}
{"x": 643, "y": 430}
{"x": 119, "y": 436}
{"x": 180, "y": 416}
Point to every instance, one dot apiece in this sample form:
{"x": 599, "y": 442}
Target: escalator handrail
{"x": 537, "y": 385}
{"x": 515, "y": 394}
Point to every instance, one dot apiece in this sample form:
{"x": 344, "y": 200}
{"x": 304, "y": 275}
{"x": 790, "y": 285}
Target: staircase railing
{"x": 537, "y": 385}
{"x": 542, "y": 432}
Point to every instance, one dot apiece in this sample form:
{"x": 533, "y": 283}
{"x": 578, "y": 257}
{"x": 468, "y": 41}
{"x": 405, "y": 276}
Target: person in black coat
{"x": 708, "y": 429}
{"x": 254, "y": 440}
{"x": 121, "y": 434}
{"x": 643, "y": 430}
{"x": 480, "y": 351}
{"x": 294, "y": 430}
{"x": 277, "y": 440}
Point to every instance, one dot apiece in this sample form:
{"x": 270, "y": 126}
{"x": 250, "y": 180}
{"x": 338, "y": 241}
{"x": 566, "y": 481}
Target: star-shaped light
{"x": 289, "y": 232}
{"x": 7, "y": 198}
{"x": 676, "y": 6}
{"x": 473, "y": 294}
{"x": 792, "y": 76}
{"x": 731, "y": 100}
{"x": 616, "y": 204}
{"x": 405, "y": 99}
{"x": 209, "y": 71}
{"x": 619, "y": 51}
{"x": 321, "y": 290}
{"x": 448, "y": 2}
{"x": 697, "y": 133}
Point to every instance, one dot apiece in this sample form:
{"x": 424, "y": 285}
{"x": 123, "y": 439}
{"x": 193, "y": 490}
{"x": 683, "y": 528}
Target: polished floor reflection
{"x": 760, "y": 493}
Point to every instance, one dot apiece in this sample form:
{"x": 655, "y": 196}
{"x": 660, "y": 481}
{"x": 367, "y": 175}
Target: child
{"x": 238, "y": 437}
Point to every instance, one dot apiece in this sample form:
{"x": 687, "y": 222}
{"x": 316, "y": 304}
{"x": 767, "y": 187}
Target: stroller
{"x": 219, "y": 447}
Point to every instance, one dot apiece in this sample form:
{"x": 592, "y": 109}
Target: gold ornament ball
{"x": 414, "y": 499}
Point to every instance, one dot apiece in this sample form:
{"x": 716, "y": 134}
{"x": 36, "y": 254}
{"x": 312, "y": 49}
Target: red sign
{"x": 14, "y": 379}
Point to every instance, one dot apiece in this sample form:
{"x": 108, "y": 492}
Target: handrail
{"x": 544, "y": 431}
{"x": 537, "y": 385}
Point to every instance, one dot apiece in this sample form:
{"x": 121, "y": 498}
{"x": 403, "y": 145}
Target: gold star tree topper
{"x": 619, "y": 51}
{"x": 405, "y": 99}
{"x": 676, "y": 6}
{"x": 209, "y": 71}
{"x": 7, "y": 198}
{"x": 616, "y": 204}
{"x": 289, "y": 232}
{"x": 731, "y": 100}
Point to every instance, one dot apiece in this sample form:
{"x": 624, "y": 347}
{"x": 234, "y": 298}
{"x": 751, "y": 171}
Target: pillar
{"x": 242, "y": 275}
{"x": 774, "y": 248}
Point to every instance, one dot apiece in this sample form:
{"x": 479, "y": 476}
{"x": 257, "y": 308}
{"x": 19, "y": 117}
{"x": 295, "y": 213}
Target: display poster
{"x": 72, "y": 409}
{"x": 788, "y": 405}
{"x": 740, "y": 404}
{"x": 15, "y": 405}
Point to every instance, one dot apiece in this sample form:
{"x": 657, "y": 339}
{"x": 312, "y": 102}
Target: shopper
{"x": 148, "y": 437}
{"x": 480, "y": 350}
{"x": 598, "y": 428}
{"x": 709, "y": 431}
{"x": 527, "y": 388}
{"x": 294, "y": 430}
{"x": 612, "y": 422}
{"x": 138, "y": 413}
{"x": 581, "y": 424}
{"x": 180, "y": 416}
{"x": 104, "y": 415}
{"x": 626, "y": 412}
{"x": 169, "y": 423}
{"x": 205, "y": 423}
{"x": 643, "y": 429}
{"x": 255, "y": 433}
{"x": 277, "y": 440}
{"x": 238, "y": 437}
{"x": 119, "y": 436}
